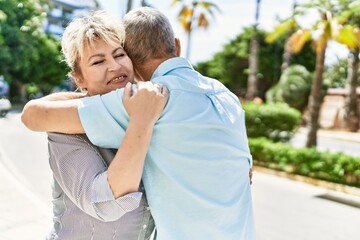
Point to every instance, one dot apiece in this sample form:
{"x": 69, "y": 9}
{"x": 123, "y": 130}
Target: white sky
{"x": 235, "y": 15}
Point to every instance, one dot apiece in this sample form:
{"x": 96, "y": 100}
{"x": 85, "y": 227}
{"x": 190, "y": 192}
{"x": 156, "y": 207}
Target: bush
{"x": 276, "y": 121}
{"x": 333, "y": 167}
{"x": 293, "y": 88}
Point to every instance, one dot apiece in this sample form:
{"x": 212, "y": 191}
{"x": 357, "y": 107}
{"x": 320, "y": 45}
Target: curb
{"x": 320, "y": 183}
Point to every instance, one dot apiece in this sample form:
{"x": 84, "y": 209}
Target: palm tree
{"x": 351, "y": 118}
{"x": 286, "y": 27}
{"x": 194, "y": 14}
{"x": 252, "y": 88}
{"x": 351, "y": 14}
{"x": 287, "y": 53}
{"x": 128, "y": 6}
{"x": 327, "y": 28}
{"x": 145, "y": 4}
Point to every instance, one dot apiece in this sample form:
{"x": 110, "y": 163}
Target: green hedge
{"x": 276, "y": 121}
{"x": 333, "y": 167}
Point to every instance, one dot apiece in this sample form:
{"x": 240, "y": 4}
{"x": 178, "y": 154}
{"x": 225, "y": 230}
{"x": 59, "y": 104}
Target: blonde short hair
{"x": 83, "y": 31}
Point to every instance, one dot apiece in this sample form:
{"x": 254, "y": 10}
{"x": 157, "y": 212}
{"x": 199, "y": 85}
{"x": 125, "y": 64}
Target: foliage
{"x": 293, "y": 88}
{"x": 276, "y": 121}
{"x": 333, "y": 167}
{"x": 230, "y": 65}
{"x": 328, "y": 27}
{"x": 27, "y": 55}
{"x": 335, "y": 75}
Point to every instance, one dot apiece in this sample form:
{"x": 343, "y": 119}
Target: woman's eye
{"x": 98, "y": 62}
{"x": 119, "y": 55}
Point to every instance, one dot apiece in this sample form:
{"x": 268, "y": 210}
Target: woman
{"x": 96, "y": 193}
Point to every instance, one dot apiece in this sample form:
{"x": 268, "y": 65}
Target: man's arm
{"x": 53, "y": 113}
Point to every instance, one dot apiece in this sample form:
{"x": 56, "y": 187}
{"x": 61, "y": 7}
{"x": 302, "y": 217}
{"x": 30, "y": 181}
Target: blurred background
{"x": 294, "y": 64}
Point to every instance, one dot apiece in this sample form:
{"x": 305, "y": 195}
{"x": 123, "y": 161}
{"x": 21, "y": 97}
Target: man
{"x": 196, "y": 169}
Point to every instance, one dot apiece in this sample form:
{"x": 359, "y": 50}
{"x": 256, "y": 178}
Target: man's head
{"x": 149, "y": 36}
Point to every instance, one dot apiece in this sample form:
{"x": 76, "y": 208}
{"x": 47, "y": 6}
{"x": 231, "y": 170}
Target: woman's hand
{"x": 145, "y": 106}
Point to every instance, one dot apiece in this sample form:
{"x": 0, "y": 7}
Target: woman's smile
{"x": 119, "y": 79}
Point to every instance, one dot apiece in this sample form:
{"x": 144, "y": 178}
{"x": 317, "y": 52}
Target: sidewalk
{"x": 23, "y": 214}
{"x": 339, "y": 135}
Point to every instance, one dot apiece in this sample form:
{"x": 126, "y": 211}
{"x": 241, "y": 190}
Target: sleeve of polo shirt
{"x": 104, "y": 118}
{"x": 82, "y": 174}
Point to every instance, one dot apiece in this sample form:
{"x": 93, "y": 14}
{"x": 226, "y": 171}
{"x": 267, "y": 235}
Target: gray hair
{"x": 149, "y": 35}
{"x": 83, "y": 31}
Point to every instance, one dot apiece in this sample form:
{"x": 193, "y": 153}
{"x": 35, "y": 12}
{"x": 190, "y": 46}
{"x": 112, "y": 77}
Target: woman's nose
{"x": 114, "y": 65}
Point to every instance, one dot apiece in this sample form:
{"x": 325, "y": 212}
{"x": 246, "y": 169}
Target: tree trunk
{"x": 252, "y": 88}
{"x": 286, "y": 57}
{"x": 351, "y": 105}
{"x": 129, "y": 6}
{"x": 21, "y": 91}
{"x": 315, "y": 99}
{"x": 188, "y": 47}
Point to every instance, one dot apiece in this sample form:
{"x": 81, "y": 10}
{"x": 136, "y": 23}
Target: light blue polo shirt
{"x": 196, "y": 172}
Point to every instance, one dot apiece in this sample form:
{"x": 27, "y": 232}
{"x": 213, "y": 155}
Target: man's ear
{"x": 178, "y": 47}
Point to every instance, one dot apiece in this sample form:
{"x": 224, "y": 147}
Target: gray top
{"x": 83, "y": 204}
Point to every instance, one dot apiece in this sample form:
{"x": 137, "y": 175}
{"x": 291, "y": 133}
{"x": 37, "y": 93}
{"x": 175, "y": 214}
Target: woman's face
{"x": 104, "y": 68}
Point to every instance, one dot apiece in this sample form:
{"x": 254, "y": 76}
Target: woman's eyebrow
{"x": 115, "y": 50}
{"x": 96, "y": 55}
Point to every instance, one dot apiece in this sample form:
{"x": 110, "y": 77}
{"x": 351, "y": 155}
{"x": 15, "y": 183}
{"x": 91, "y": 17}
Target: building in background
{"x": 61, "y": 12}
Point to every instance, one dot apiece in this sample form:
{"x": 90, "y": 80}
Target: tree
{"x": 293, "y": 87}
{"x": 231, "y": 63}
{"x": 194, "y": 14}
{"x": 252, "y": 88}
{"x": 129, "y": 5}
{"x": 336, "y": 74}
{"x": 350, "y": 14}
{"x": 27, "y": 54}
{"x": 325, "y": 29}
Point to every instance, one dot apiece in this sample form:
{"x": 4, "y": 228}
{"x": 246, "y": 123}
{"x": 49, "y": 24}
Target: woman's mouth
{"x": 118, "y": 79}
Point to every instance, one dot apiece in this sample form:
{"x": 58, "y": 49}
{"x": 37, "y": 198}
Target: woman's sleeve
{"x": 82, "y": 174}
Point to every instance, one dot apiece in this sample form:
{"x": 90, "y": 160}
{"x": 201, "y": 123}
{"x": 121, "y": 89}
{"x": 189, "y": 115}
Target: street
{"x": 284, "y": 209}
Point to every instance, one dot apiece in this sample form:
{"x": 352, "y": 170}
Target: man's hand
{"x": 146, "y": 105}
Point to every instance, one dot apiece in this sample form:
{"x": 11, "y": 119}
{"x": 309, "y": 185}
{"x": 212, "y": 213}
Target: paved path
{"x": 23, "y": 215}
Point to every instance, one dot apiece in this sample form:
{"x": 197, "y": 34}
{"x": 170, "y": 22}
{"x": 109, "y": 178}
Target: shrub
{"x": 293, "y": 88}
{"x": 333, "y": 167}
{"x": 276, "y": 121}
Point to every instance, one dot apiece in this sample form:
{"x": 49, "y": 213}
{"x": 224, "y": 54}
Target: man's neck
{"x": 146, "y": 70}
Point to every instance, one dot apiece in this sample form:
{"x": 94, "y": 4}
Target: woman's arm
{"x": 53, "y": 113}
{"x": 144, "y": 109}
{"x": 82, "y": 174}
